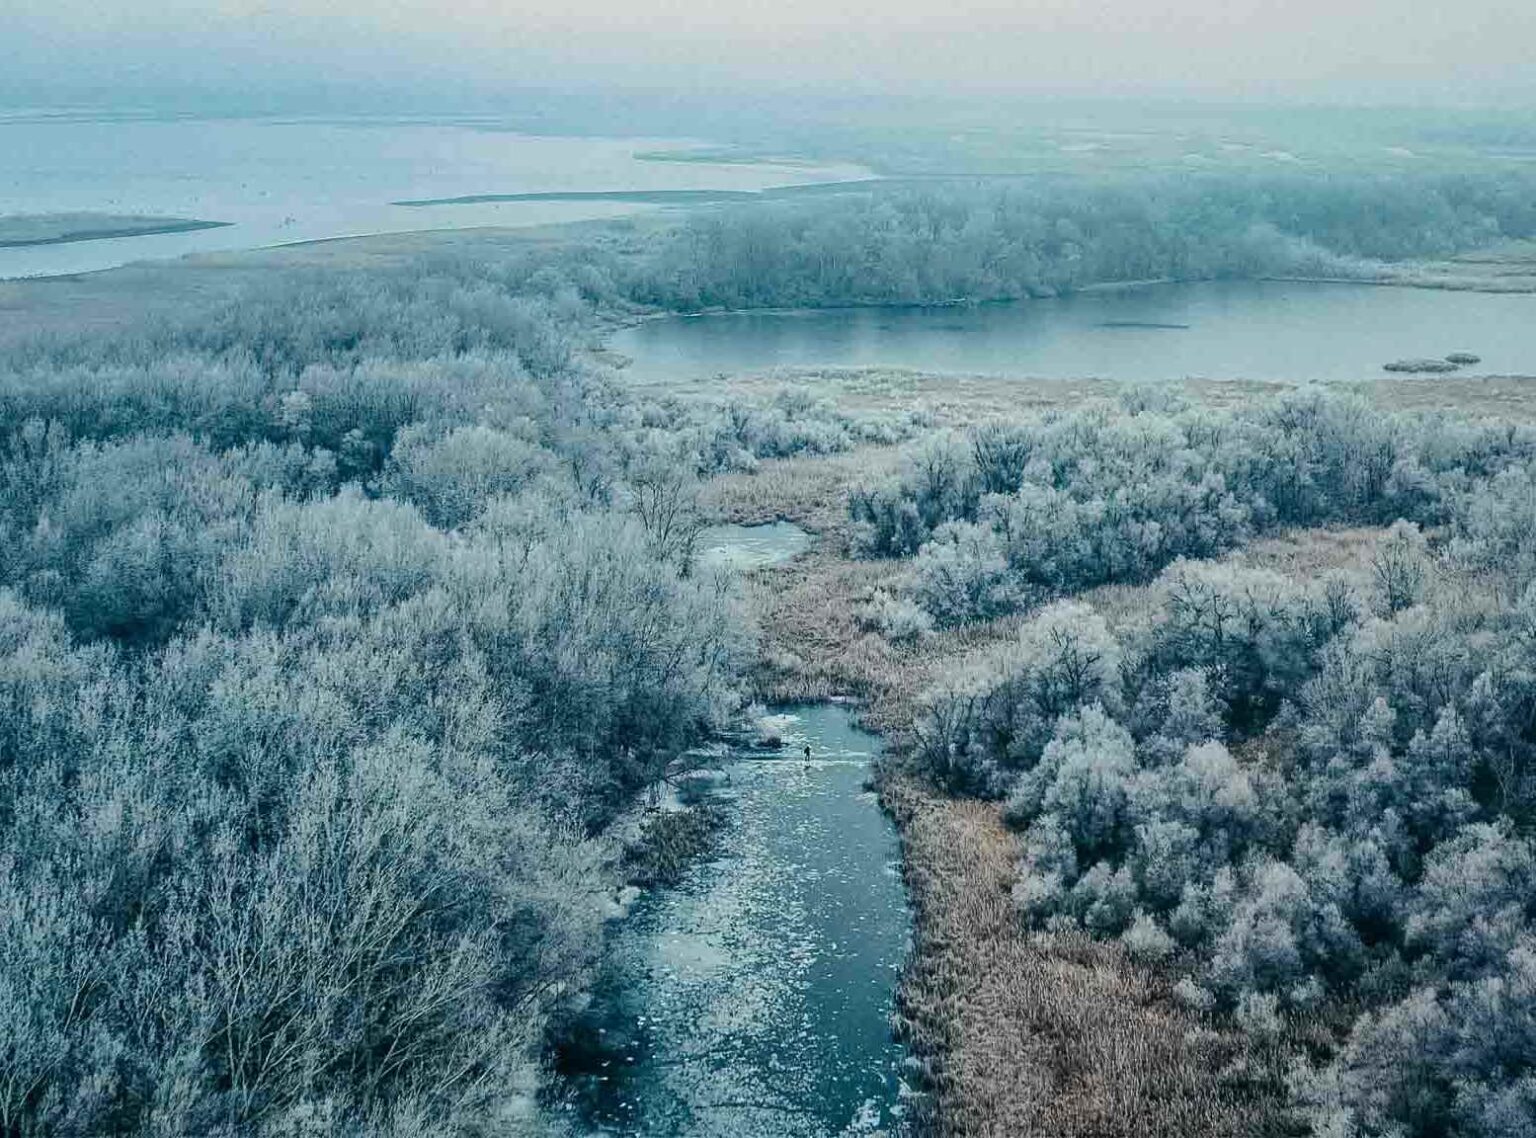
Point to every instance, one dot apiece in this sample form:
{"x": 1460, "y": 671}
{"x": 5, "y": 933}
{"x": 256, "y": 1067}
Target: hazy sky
{"x": 1461, "y": 50}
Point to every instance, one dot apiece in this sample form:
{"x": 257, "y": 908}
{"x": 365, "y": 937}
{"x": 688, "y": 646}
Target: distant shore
{"x": 30, "y": 231}
{"x": 652, "y": 197}
{"x": 648, "y": 197}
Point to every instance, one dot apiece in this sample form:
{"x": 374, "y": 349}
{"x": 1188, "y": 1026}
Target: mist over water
{"x": 1307, "y": 49}
{"x": 276, "y": 181}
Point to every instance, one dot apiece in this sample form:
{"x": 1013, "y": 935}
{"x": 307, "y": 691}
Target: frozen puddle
{"x": 751, "y": 547}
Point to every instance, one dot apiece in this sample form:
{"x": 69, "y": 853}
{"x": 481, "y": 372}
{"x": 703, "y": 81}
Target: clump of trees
{"x": 967, "y": 241}
{"x": 1009, "y": 515}
{"x": 1300, "y": 795}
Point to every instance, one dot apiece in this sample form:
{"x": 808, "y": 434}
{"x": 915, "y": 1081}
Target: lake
{"x": 1219, "y": 329}
{"x": 277, "y": 181}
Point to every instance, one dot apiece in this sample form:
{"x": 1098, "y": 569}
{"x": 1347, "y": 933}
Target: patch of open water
{"x": 751, "y": 547}
{"x": 754, "y": 998}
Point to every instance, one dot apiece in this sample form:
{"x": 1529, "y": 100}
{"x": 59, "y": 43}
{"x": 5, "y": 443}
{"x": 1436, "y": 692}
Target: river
{"x": 753, "y": 999}
{"x": 1220, "y": 329}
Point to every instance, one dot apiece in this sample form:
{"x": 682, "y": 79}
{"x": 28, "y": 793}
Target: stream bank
{"x": 749, "y": 990}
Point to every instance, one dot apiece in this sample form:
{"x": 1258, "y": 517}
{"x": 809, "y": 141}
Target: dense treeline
{"x": 1013, "y": 514}
{"x": 981, "y": 241}
{"x": 336, "y": 625}
{"x": 1312, "y": 798}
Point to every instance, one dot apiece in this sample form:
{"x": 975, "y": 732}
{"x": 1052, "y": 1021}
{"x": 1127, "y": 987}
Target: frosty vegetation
{"x": 1000, "y": 240}
{"x": 1008, "y": 515}
{"x": 338, "y": 623}
{"x": 335, "y": 626}
{"x": 1306, "y": 796}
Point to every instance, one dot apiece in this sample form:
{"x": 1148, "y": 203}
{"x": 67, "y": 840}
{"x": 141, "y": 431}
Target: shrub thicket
{"x": 335, "y": 627}
{"x": 1299, "y": 793}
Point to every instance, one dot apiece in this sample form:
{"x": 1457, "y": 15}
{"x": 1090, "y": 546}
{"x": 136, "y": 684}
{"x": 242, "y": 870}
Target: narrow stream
{"x": 753, "y": 999}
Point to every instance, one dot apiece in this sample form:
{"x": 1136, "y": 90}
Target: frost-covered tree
{"x": 999, "y": 713}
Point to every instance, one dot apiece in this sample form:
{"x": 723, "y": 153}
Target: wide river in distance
{"x": 278, "y": 181}
{"x": 1216, "y": 329}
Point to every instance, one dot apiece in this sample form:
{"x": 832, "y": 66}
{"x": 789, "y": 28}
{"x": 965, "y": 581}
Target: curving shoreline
{"x": 108, "y": 229}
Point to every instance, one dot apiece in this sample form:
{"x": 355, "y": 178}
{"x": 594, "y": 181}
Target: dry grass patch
{"x": 1019, "y": 1033}
{"x": 1509, "y": 397}
{"x": 811, "y": 491}
{"x": 950, "y": 399}
{"x": 1305, "y": 553}
{"x": 815, "y": 647}
{"x": 1507, "y": 267}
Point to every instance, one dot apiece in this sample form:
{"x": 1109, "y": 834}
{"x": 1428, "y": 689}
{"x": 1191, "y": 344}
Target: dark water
{"x": 751, "y": 547}
{"x": 1227, "y": 330}
{"x": 753, "y": 999}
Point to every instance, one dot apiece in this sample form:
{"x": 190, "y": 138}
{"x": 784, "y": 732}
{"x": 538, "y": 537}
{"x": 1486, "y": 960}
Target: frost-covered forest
{"x": 947, "y": 240}
{"x": 340, "y": 622}
{"x": 1311, "y": 798}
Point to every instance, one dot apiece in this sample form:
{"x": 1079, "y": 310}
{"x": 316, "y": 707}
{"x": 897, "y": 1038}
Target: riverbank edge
{"x": 1014, "y": 1033}
{"x": 1009, "y": 1031}
{"x": 1424, "y": 276}
{"x": 1521, "y": 287}
{"x": 150, "y": 228}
